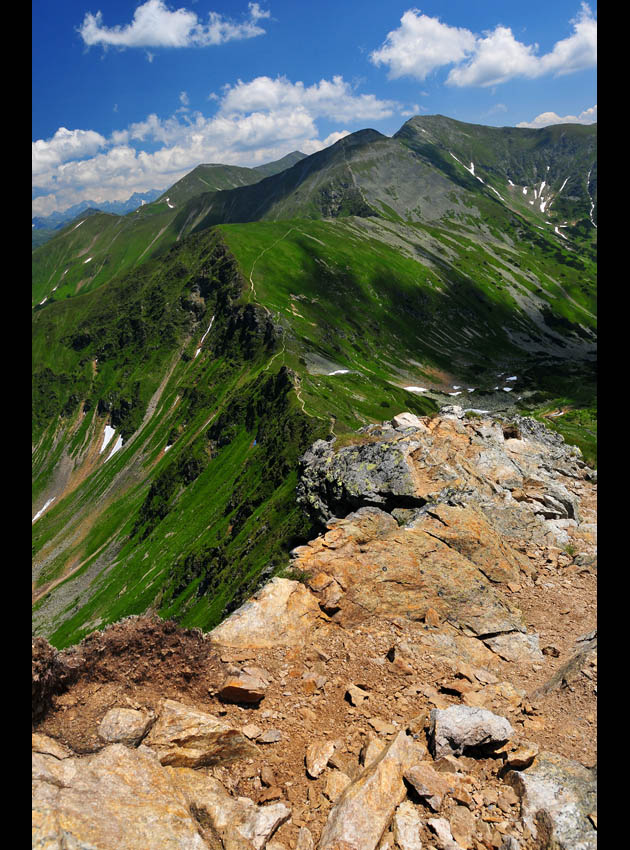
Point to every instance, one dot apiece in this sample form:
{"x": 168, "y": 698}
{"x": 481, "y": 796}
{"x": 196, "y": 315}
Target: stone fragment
{"x": 515, "y": 646}
{"x": 428, "y": 783}
{"x": 282, "y": 613}
{"x": 356, "y": 695}
{"x": 252, "y": 731}
{"x": 462, "y": 826}
{"x": 124, "y": 726}
{"x": 336, "y": 784}
{"x": 407, "y": 826}
{"x": 305, "y": 839}
{"x": 442, "y": 830}
{"x": 271, "y": 736}
{"x": 317, "y": 755}
{"x": 361, "y": 815}
{"x": 242, "y": 688}
{"x": 460, "y": 727}
{"x": 48, "y": 746}
{"x": 274, "y": 792}
{"x": 557, "y": 795}
{"x": 238, "y": 821}
{"x": 431, "y": 617}
{"x": 407, "y": 420}
{"x": 372, "y": 750}
{"x": 185, "y": 737}
{"x": 518, "y": 755}
{"x": 267, "y": 776}
{"x": 381, "y": 726}
{"x": 118, "y": 797}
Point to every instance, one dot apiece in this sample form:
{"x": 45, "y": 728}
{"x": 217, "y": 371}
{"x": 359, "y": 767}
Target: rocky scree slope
{"x": 421, "y": 686}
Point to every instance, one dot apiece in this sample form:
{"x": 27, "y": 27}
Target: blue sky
{"x": 131, "y": 96}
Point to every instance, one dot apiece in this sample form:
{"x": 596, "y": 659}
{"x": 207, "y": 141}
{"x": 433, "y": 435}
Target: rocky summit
{"x": 423, "y": 677}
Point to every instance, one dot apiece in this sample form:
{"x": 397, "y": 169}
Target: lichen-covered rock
{"x": 334, "y": 483}
{"x": 447, "y": 459}
{"x": 557, "y": 796}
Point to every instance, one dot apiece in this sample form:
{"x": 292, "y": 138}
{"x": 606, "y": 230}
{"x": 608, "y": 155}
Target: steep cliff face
{"x": 430, "y": 680}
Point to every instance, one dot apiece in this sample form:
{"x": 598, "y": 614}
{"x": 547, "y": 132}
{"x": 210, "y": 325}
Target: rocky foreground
{"x": 426, "y": 678}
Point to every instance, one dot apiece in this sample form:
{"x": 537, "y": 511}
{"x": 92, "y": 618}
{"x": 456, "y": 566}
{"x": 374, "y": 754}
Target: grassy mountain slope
{"x": 96, "y": 246}
{"x": 216, "y": 362}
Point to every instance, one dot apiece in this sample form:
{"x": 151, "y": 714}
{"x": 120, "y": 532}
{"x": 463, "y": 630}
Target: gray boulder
{"x": 459, "y": 728}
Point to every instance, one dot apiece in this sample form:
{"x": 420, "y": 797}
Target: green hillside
{"x": 374, "y": 270}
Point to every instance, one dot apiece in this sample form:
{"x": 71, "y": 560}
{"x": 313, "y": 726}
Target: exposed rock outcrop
{"x": 396, "y": 698}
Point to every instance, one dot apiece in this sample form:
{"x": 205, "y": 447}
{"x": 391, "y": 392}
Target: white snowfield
{"x": 457, "y": 393}
{"x": 41, "y": 511}
{"x": 78, "y": 225}
{"x": 507, "y": 389}
{"x": 204, "y": 336}
{"x": 339, "y": 372}
{"x": 109, "y": 433}
{"x": 172, "y": 206}
{"x": 416, "y": 389}
{"x": 512, "y": 378}
{"x": 87, "y": 261}
{"x": 166, "y": 448}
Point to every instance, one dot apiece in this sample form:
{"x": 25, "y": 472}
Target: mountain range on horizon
{"x": 186, "y": 354}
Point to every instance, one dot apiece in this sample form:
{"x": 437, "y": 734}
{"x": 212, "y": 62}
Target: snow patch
{"x": 512, "y": 378}
{"x": 416, "y": 389}
{"x": 78, "y": 225}
{"x": 117, "y": 447}
{"x": 510, "y": 182}
{"x": 339, "y": 372}
{"x": 44, "y": 301}
{"x": 524, "y": 190}
{"x": 166, "y": 448}
{"x": 458, "y": 393}
{"x": 507, "y": 389}
{"x": 40, "y": 512}
{"x": 204, "y": 336}
{"x": 475, "y": 410}
{"x": 109, "y": 433}
{"x": 87, "y": 261}
{"x": 169, "y": 204}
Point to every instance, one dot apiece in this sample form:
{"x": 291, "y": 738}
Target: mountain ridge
{"x": 184, "y": 356}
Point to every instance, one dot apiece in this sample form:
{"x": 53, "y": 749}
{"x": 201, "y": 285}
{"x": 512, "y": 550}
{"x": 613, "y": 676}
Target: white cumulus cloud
{"x": 254, "y": 122}
{"x": 64, "y": 145}
{"x": 155, "y": 25}
{"x": 545, "y": 119}
{"x": 422, "y": 44}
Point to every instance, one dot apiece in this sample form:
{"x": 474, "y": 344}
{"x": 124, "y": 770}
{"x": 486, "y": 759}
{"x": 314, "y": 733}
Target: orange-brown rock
{"x": 389, "y": 571}
{"x": 283, "y": 613}
{"x": 365, "y": 809}
{"x": 185, "y": 737}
